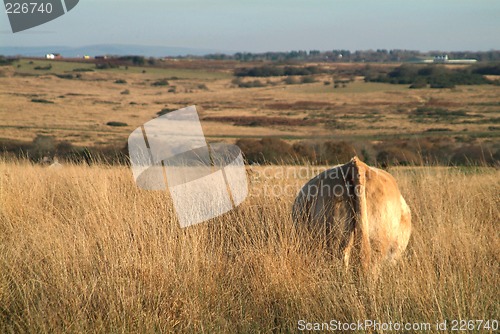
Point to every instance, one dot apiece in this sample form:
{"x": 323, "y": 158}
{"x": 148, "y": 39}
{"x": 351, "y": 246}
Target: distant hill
{"x": 104, "y": 49}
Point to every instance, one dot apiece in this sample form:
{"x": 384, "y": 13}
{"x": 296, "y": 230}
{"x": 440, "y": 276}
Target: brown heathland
{"x": 83, "y": 250}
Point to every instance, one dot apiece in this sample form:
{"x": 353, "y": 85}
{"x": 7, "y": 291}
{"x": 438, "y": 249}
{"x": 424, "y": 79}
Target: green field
{"x": 27, "y": 66}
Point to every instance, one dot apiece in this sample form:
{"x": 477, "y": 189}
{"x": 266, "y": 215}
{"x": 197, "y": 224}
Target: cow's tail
{"x": 361, "y": 230}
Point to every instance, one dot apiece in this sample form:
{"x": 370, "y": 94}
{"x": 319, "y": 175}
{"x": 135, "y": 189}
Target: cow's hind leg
{"x": 346, "y": 250}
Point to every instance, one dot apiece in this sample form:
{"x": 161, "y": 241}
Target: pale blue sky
{"x": 272, "y": 25}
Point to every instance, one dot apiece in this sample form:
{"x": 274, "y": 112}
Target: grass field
{"x": 82, "y": 250}
{"x": 80, "y": 104}
{"x": 28, "y": 66}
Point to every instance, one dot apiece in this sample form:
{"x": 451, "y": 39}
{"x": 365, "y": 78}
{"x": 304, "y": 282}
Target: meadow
{"x": 74, "y": 102}
{"x": 83, "y": 250}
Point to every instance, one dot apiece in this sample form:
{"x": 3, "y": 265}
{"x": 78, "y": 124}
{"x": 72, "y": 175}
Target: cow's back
{"x": 386, "y": 226}
{"x": 389, "y": 215}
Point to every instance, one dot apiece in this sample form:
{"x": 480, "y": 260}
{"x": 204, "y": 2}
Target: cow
{"x": 358, "y": 207}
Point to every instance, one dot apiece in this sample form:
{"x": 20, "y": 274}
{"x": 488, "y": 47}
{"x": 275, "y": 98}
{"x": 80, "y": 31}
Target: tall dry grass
{"x": 83, "y": 250}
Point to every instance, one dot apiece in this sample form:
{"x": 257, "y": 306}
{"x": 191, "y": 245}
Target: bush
{"x": 41, "y": 101}
{"x": 114, "y": 123}
{"x": 441, "y": 82}
{"x": 43, "y": 68}
{"x": 164, "y": 111}
{"x": 120, "y": 81}
{"x": 419, "y": 83}
{"x": 472, "y": 154}
{"x": 276, "y": 71}
{"x": 4, "y": 61}
{"x": 263, "y": 71}
{"x": 308, "y": 79}
{"x": 125, "y": 92}
{"x": 161, "y": 82}
{"x": 397, "y": 156}
{"x": 490, "y": 69}
{"x": 272, "y": 150}
{"x": 292, "y": 81}
{"x": 135, "y": 60}
{"x": 105, "y": 66}
{"x": 64, "y": 147}
{"x": 436, "y": 75}
{"x": 305, "y": 152}
{"x": 251, "y": 84}
{"x": 65, "y": 76}
{"x": 42, "y": 146}
{"x": 426, "y": 114}
{"x": 331, "y": 152}
{"x": 83, "y": 70}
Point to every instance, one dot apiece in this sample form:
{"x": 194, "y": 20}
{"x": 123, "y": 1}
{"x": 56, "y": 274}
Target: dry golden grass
{"x": 82, "y": 250}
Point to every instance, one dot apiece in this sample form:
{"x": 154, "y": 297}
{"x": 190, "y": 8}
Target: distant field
{"x": 76, "y": 106}
{"x": 28, "y": 66}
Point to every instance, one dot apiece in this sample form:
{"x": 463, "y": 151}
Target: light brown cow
{"x": 359, "y": 207}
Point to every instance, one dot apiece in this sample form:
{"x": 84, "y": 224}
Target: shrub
{"x": 437, "y": 76}
{"x": 441, "y": 82}
{"x": 305, "y": 151}
{"x": 397, "y": 156}
{"x": 6, "y": 61}
{"x": 419, "y": 83}
{"x": 437, "y": 130}
{"x": 490, "y": 69}
{"x": 135, "y": 60}
{"x": 164, "y": 111}
{"x": 331, "y": 152}
{"x": 114, "y": 123}
{"x": 308, "y": 79}
{"x": 274, "y": 71}
{"x": 161, "y": 82}
{"x": 251, "y": 84}
{"x": 125, "y": 92}
{"x": 42, "y": 145}
{"x": 105, "y": 66}
{"x": 64, "y": 147}
{"x": 426, "y": 114}
{"x": 120, "y": 81}
{"x": 472, "y": 154}
{"x": 64, "y": 76}
{"x": 43, "y": 68}
{"x": 83, "y": 70}
{"x": 273, "y": 150}
{"x": 41, "y": 101}
{"x": 263, "y": 71}
{"x": 292, "y": 81}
